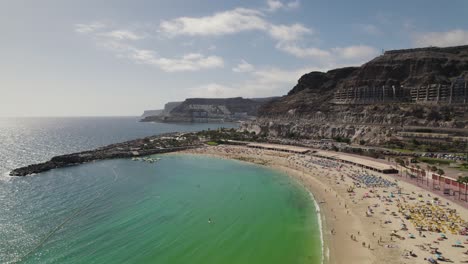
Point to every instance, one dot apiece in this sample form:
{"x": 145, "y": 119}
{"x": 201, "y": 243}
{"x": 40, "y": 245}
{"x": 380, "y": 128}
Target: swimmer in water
{"x": 209, "y": 221}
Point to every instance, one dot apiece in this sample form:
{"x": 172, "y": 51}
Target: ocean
{"x": 181, "y": 209}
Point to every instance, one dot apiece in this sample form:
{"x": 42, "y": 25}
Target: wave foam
{"x": 319, "y": 217}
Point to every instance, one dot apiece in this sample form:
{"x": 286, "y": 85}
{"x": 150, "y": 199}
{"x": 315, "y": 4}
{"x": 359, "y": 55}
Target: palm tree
{"x": 462, "y": 180}
{"x": 440, "y": 171}
{"x": 418, "y": 172}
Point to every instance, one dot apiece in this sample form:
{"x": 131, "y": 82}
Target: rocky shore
{"x": 134, "y": 148}
{"x": 164, "y": 143}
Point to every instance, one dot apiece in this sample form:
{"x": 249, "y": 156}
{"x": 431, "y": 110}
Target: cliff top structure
{"x": 400, "y": 90}
{"x": 420, "y": 75}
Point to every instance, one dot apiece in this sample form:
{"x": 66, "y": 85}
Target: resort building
{"x": 357, "y": 161}
{"x": 438, "y": 93}
{"x": 277, "y": 147}
{"x": 454, "y": 93}
{"x": 369, "y": 95}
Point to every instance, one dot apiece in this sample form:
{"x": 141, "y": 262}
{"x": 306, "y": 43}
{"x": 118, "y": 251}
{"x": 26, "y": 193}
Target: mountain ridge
{"x": 420, "y": 88}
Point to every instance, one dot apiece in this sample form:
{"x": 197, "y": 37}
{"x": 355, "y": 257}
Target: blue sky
{"x": 80, "y": 58}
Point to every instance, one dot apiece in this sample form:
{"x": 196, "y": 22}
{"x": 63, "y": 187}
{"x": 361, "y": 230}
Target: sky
{"x": 101, "y": 58}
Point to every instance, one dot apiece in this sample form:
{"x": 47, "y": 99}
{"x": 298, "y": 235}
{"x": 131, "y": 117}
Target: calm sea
{"x": 182, "y": 209}
{"x": 30, "y": 140}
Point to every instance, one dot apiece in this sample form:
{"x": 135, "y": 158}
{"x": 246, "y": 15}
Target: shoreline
{"x": 322, "y": 219}
{"x": 329, "y": 248}
{"x": 342, "y": 214}
{"x": 325, "y": 254}
{"x": 325, "y": 250}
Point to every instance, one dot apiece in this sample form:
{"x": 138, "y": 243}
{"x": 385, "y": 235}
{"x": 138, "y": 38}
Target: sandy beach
{"x": 368, "y": 217}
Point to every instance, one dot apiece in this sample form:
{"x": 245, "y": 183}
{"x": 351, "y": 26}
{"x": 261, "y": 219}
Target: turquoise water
{"x": 123, "y": 211}
{"x": 36, "y": 139}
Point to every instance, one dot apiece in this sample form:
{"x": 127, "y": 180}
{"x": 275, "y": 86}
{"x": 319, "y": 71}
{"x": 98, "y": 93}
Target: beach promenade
{"x": 367, "y": 216}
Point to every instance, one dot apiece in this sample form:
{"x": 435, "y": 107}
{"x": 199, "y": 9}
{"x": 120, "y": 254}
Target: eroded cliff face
{"x": 412, "y": 67}
{"x": 304, "y": 129}
{"x": 312, "y": 93}
{"x": 309, "y": 111}
{"x": 217, "y": 106}
{"x": 211, "y": 110}
{"x": 373, "y": 124}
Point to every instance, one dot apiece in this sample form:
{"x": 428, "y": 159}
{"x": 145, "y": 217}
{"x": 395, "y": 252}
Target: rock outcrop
{"x": 134, "y": 148}
{"x": 310, "y": 109}
{"x": 212, "y": 110}
{"x": 155, "y": 115}
{"x": 147, "y": 113}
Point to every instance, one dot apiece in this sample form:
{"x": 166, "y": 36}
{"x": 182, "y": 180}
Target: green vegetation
{"x": 400, "y": 161}
{"x": 403, "y": 150}
{"x": 462, "y": 179}
{"x": 463, "y": 167}
{"x": 434, "y": 161}
{"x": 431, "y": 168}
{"x": 440, "y": 171}
{"x": 222, "y": 135}
{"x": 342, "y": 139}
{"x": 292, "y": 135}
{"x": 212, "y": 143}
{"x": 424, "y": 146}
{"x": 369, "y": 153}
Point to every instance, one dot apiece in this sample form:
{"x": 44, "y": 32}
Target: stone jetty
{"x": 135, "y": 148}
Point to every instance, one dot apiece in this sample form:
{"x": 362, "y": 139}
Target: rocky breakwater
{"x": 134, "y": 148}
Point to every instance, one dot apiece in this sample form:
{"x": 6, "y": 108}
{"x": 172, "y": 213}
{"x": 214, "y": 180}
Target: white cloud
{"x": 293, "y": 4}
{"x": 369, "y": 29}
{"x": 287, "y": 38}
{"x": 275, "y": 76}
{"x": 122, "y": 35}
{"x": 360, "y": 52}
{"x": 187, "y": 62}
{"x": 300, "y": 52}
{"x": 89, "y": 28}
{"x": 235, "y": 21}
{"x": 346, "y": 56}
{"x": 114, "y": 41}
{"x": 214, "y": 90}
{"x": 244, "y": 66}
{"x": 441, "y": 39}
{"x": 230, "y": 22}
{"x": 227, "y": 22}
{"x": 288, "y": 33}
{"x": 263, "y": 83}
{"x": 408, "y": 25}
{"x": 274, "y": 5}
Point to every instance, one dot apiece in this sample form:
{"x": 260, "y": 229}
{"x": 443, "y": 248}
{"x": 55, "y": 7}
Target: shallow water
{"x": 124, "y": 211}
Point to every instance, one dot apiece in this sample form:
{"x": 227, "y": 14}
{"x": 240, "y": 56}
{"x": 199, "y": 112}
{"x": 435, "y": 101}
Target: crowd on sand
{"x": 389, "y": 220}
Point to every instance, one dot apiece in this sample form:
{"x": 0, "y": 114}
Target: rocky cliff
{"x": 309, "y": 109}
{"x": 147, "y": 113}
{"x": 156, "y": 115}
{"x": 212, "y": 109}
